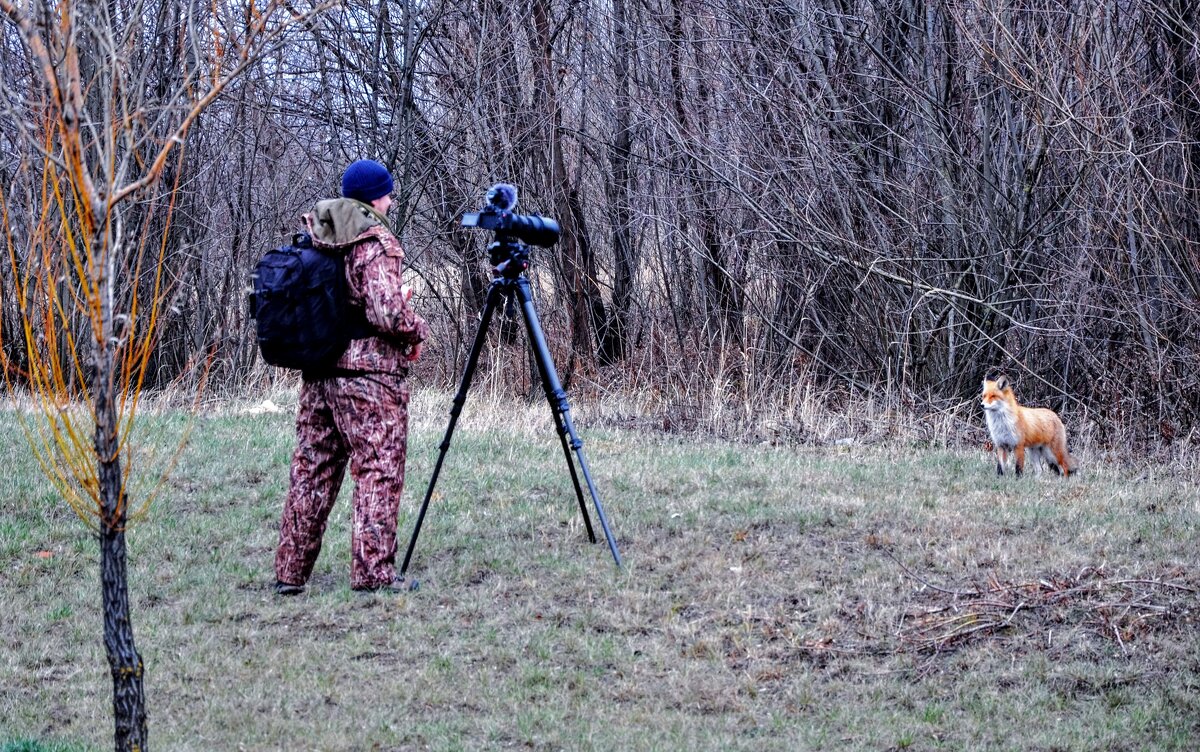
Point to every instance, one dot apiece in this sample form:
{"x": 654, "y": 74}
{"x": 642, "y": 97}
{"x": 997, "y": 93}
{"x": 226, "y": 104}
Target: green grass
{"x": 772, "y": 598}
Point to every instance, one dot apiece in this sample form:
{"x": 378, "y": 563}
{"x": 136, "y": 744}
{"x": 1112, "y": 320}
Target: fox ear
{"x": 1002, "y": 382}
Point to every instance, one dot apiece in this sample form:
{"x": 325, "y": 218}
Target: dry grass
{"x": 777, "y": 595}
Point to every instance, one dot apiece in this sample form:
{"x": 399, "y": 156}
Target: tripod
{"x": 510, "y": 282}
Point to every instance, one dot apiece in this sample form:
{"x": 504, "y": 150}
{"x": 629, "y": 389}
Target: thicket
{"x": 872, "y": 195}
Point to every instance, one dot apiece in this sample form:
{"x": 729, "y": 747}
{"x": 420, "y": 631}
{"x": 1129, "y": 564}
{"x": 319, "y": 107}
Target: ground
{"x": 773, "y": 596}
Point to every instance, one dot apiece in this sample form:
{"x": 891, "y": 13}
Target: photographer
{"x": 358, "y": 414}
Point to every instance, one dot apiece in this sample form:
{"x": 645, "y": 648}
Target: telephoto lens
{"x": 534, "y": 229}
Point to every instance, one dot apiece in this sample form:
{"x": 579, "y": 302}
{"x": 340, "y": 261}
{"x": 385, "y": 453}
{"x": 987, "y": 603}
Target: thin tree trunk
{"x": 614, "y": 333}
{"x": 722, "y": 295}
{"x": 584, "y": 303}
{"x": 129, "y": 702}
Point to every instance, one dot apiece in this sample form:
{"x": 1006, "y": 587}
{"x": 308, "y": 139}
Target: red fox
{"x": 1017, "y": 429}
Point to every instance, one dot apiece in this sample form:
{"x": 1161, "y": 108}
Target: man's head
{"x": 369, "y": 182}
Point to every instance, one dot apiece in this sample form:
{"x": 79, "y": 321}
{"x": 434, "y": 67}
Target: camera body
{"x": 514, "y": 233}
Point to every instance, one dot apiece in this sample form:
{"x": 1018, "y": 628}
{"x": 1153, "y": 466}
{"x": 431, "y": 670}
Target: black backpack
{"x": 302, "y": 309}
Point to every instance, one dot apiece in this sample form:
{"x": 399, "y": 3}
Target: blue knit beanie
{"x": 366, "y": 180}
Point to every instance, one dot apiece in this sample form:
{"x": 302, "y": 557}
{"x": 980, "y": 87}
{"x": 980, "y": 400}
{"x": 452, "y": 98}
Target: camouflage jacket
{"x": 374, "y": 262}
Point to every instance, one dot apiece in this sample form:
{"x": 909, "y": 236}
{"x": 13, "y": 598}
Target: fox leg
{"x": 1019, "y": 464}
{"x": 1063, "y": 461}
{"x": 1050, "y": 457}
{"x": 1001, "y": 458}
{"x": 1041, "y": 458}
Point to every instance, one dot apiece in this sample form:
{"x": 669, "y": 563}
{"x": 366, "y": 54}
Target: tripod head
{"x": 514, "y": 233}
{"x": 509, "y": 259}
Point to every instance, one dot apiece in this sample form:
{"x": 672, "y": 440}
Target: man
{"x": 360, "y": 413}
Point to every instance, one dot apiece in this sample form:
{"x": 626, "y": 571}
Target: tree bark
{"x": 584, "y": 303}
{"x": 723, "y": 298}
{"x": 129, "y": 703}
{"x": 612, "y": 336}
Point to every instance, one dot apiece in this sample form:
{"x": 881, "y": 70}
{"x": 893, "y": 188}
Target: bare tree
{"x": 86, "y": 238}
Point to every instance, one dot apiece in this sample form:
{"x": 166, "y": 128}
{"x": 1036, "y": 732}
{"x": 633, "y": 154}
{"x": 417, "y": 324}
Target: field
{"x": 774, "y": 597}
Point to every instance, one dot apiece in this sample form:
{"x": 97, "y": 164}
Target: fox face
{"x": 997, "y": 393}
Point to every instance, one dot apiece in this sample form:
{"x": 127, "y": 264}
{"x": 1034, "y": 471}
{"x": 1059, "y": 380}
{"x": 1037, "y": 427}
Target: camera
{"x": 499, "y": 217}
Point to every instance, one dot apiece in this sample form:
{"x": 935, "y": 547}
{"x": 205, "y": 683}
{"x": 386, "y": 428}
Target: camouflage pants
{"x": 363, "y": 420}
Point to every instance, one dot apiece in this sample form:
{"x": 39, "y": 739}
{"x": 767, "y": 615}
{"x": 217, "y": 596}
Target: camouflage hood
{"x": 341, "y": 221}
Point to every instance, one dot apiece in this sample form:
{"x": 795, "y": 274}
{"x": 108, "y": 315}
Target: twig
{"x": 1159, "y": 583}
{"x": 923, "y": 581}
{"x": 990, "y": 608}
{"x": 1117, "y": 633}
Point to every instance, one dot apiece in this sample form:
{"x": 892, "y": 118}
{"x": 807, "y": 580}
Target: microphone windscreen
{"x": 503, "y": 196}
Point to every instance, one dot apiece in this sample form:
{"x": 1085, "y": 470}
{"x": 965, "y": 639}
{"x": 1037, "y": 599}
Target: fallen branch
{"x": 1119, "y": 610}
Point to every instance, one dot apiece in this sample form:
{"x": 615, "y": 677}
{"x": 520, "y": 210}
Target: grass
{"x": 883, "y": 597}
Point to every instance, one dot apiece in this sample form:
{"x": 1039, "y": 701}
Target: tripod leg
{"x": 558, "y": 407}
{"x": 562, "y": 416}
{"x": 495, "y": 295}
{"x": 555, "y": 395}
